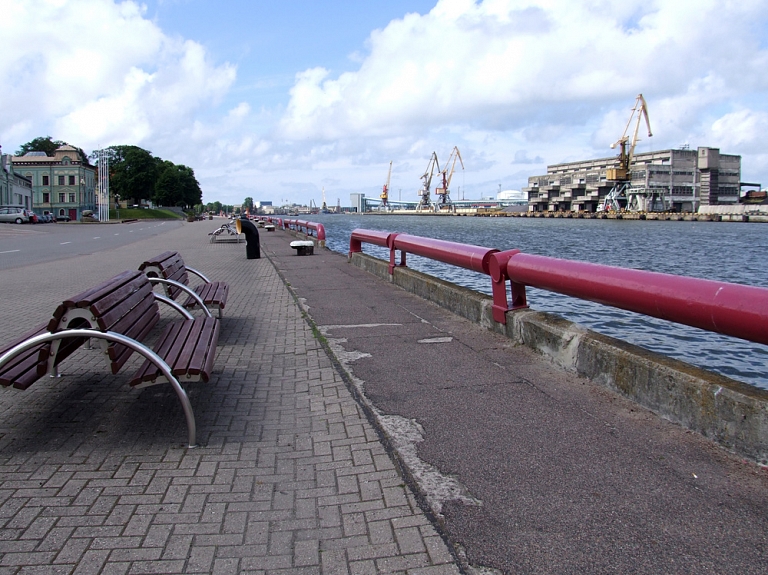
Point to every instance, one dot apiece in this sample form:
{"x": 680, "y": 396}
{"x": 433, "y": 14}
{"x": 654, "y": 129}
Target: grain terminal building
{"x": 669, "y": 180}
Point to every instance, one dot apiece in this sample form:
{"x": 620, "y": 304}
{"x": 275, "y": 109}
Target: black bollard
{"x": 244, "y": 226}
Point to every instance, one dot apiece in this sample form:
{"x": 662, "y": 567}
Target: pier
{"x": 352, "y": 427}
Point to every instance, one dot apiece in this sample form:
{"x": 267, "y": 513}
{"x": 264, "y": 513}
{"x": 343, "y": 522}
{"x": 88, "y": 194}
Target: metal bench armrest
{"x": 175, "y": 305}
{"x": 185, "y": 289}
{"x": 198, "y": 274}
{"x": 136, "y": 346}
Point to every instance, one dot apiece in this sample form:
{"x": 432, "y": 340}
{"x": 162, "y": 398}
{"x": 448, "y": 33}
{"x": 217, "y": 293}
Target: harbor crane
{"x": 621, "y": 175}
{"x": 444, "y": 192}
{"x": 385, "y": 192}
{"x": 424, "y": 192}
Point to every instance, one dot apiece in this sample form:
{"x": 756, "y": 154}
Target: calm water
{"x": 733, "y": 252}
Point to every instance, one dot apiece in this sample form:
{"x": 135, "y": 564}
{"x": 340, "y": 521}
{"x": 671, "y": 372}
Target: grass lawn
{"x": 144, "y": 214}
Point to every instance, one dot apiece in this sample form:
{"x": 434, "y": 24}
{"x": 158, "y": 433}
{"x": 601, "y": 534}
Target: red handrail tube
{"x": 731, "y": 309}
{"x": 475, "y": 258}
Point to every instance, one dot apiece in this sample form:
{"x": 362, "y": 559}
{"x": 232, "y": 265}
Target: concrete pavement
{"x": 290, "y": 476}
{"x": 529, "y": 468}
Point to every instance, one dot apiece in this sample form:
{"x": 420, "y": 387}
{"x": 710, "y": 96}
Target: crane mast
{"x": 639, "y": 111}
{"x": 444, "y": 192}
{"x": 385, "y": 192}
{"x": 621, "y": 196}
{"x": 426, "y": 185}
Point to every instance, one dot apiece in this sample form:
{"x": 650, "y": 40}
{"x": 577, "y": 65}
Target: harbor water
{"x": 732, "y": 252}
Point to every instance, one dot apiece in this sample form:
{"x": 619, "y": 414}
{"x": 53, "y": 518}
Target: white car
{"x": 14, "y": 215}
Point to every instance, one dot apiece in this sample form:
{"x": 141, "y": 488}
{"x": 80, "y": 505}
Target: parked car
{"x": 46, "y": 218}
{"x": 14, "y": 215}
{"x": 62, "y": 218}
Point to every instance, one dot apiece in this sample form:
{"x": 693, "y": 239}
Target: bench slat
{"x": 85, "y": 298}
{"x": 188, "y": 347}
{"x": 26, "y": 368}
{"x": 109, "y": 310}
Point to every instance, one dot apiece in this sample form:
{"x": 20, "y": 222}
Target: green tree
{"x": 46, "y": 144}
{"x": 167, "y": 186}
{"x": 248, "y": 204}
{"x": 132, "y": 172}
{"x": 176, "y": 186}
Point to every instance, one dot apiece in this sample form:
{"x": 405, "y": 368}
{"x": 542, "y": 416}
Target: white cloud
{"x": 515, "y": 84}
{"x": 98, "y": 73}
{"x": 509, "y": 64}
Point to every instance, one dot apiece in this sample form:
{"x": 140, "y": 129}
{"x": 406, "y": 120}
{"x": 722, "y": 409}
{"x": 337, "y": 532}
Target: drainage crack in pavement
{"x": 404, "y": 434}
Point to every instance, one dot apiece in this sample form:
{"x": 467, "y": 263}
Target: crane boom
{"x": 444, "y": 191}
{"x": 385, "y": 192}
{"x": 427, "y": 181}
{"x": 639, "y": 111}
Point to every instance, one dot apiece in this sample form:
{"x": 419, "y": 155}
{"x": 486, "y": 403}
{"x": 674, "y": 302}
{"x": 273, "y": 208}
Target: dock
{"x": 350, "y": 427}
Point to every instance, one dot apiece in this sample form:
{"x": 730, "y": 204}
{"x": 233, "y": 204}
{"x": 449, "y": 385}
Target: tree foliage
{"x": 177, "y": 186}
{"x": 132, "y": 172}
{"x": 136, "y": 175}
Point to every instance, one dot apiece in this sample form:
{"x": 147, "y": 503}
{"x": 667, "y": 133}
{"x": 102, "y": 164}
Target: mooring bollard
{"x": 304, "y": 248}
{"x": 244, "y": 226}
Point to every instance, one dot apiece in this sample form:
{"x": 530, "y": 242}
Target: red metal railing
{"x": 722, "y": 307}
{"x": 307, "y": 228}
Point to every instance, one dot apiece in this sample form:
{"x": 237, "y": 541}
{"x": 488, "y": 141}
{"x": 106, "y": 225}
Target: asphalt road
{"x": 27, "y": 244}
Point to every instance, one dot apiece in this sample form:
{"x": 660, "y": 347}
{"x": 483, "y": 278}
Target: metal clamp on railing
{"x": 377, "y": 238}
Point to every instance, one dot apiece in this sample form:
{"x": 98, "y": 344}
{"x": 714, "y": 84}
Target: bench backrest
{"x": 124, "y": 304}
{"x": 169, "y": 266}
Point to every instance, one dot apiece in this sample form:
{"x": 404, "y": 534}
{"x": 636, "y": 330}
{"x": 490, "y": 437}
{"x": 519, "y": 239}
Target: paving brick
{"x": 290, "y": 476}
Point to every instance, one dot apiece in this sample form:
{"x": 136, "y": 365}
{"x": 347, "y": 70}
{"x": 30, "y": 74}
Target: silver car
{"x": 14, "y": 215}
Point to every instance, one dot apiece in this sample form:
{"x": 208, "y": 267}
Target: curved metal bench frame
{"x": 186, "y": 289}
{"x": 139, "y": 348}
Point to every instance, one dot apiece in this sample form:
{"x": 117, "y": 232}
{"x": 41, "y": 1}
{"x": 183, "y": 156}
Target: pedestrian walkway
{"x": 290, "y": 476}
{"x": 528, "y": 468}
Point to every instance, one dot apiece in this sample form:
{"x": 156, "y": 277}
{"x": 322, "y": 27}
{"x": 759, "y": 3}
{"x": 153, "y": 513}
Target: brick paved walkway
{"x": 290, "y": 477}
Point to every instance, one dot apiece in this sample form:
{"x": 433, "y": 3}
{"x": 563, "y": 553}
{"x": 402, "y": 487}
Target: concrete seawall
{"x": 728, "y": 412}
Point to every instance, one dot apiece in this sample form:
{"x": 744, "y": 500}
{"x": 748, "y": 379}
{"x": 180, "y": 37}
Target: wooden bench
{"x": 119, "y": 314}
{"x": 170, "y": 267}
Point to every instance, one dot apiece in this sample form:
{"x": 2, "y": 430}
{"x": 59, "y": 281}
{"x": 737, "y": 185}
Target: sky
{"x": 300, "y": 100}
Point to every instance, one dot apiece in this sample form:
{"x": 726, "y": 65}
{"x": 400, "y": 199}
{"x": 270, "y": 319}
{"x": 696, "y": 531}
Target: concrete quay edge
{"x": 730, "y": 413}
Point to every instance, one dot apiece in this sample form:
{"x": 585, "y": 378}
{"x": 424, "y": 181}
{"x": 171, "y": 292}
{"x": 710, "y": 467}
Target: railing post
{"x": 392, "y": 254}
{"x": 497, "y": 269}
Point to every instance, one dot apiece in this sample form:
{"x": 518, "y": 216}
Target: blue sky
{"x": 281, "y": 100}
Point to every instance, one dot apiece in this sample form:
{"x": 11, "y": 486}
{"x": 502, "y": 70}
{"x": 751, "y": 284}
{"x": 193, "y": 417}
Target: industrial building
{"x": 679, "y": 180}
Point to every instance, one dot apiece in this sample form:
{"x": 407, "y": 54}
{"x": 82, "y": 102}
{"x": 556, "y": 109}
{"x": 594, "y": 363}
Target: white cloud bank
{"x": 516, "y": 84}
{"x": 97, "y": 73}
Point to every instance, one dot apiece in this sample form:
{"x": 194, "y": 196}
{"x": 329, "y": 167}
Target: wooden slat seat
{"x": 29, "y": 366}
{"x": 126, "y": 305}
{"x": 119, "y": 315}
{"x": 170, "y": 266}
{"x": 188, "y": 347}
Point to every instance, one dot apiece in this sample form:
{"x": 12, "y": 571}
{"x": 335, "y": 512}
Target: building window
{"x": 61, "y": 197}
{"x": 71, "y": 198}
{"x": 61, "y": 180}
{"x": 46, "y": 180}
{"x": 46, "y": 197}
{"x": 71, "y": 180}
